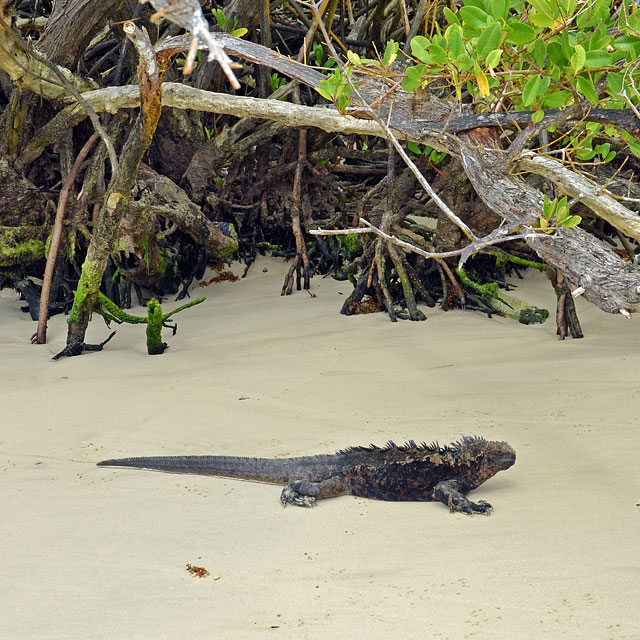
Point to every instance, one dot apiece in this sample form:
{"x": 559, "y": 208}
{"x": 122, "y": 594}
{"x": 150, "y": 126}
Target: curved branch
{"x": 586, "y": 192}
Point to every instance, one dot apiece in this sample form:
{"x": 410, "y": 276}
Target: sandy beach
{"x": 89, "y": 552}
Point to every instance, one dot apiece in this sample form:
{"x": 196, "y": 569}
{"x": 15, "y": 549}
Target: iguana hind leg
{"x": 449, "y": 493}
{"x": 304, "y": 493}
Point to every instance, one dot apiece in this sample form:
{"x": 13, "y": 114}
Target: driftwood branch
{"x": 502, "y": 234}
{"x": 608, "y": 282}
{"x": 590, "y": 194}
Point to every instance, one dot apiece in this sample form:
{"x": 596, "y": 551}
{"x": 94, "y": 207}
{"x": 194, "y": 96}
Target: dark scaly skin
{"x": 408, "y": 472}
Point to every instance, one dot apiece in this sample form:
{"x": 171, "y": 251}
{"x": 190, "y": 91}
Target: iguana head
{"x": 481, "y": 459}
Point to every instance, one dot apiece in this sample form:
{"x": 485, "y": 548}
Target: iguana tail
{"x": 269, "y": 470}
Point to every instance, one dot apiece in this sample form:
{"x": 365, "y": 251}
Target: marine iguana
{"x": 394, "y": 472}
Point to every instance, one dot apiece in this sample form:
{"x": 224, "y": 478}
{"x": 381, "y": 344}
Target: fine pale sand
{"x": 89, "y": 552}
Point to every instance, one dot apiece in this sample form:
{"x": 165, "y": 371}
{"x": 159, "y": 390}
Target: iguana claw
{"x": 291, "y": 496}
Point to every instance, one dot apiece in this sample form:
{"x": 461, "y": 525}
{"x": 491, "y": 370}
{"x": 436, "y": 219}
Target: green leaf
{"x": 489, "y": 40}
{"x": 556, "y": 55}
{"x": 633, "y": 53}
{"x": 419, "y": 46}
{"x": 549, "y": 208}
{"x": 586, "y": 154}
{"x": 413, "y": 77}
{"x": 453, "y": 36}
{"x": 318, "y": 53}
{"x": 436, "y": 157}
{"x": 493, "y": 59}
{"x": 567, "y": 6}
{"x": 571, "y": 221}
{"x": 578, "y": 58}
{"x": 585, "y": 86}
{"x": 464, "y": 62}
{"x": 614, "y": 81}
{"x": 600, "y": 41}
{"x": 556, "y": 99}
{"x": 531, "y": 89}
{"x": 540, "y": 52}
{"x": 439, "y": 39}
{"x": 499, "y": 8}
{"x": 390, "y": 53}
{"x": 542, "y": 6}
{"x": 598, "y": 58}
{"x": 354, "y": 58}
{"x": 414, "y": 148}
{"x": 544, "y": 85}
{"x": 474, "y": 17}
{"x": 624, "y": 43}
{"x": 520, "y": 33}
{"x": 537, "y": 116}
{"x": 633, "y": 22}
{"x": 540, "y": 20}
{"x": 322, "y": 91}
{"x": 568, "y": 44}
{"x": 451, "y": 17}
{"x": 336, "y": 88}
{"x": 438, "y": 54}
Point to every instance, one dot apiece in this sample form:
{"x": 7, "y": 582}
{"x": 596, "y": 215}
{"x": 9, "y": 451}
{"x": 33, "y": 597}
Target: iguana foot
{"x": 290, "y": 496}
{"x": 466, "y": 506}
{"x": 448, "y": 492}
{"x": 480, "y": 507}
{"x": 304, "y": 493}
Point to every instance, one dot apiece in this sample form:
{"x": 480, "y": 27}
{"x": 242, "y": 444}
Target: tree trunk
{"x": 115, "y": 201}
{"x": 83, "y": 19}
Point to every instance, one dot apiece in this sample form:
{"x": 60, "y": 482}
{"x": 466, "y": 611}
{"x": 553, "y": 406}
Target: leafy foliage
{"x": 223, "y": 23}
{"x": 532, "y": 55}
{"x": 555, "y": 214}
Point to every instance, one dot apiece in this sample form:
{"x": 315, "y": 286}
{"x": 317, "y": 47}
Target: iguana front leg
{"x": 304, "y": 493}
{"x": 451, "y": 493}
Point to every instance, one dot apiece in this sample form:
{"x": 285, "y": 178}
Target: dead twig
{"x": 188, "y": 15}
{"x": 40, "y": 337}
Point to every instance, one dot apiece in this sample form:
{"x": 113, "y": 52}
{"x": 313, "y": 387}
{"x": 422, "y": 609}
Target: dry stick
{"x": 454, "y": 281}
{"x": 407, "y": 289}
{"x": 40, "y": 337}
{"x": 389, "y": 219}
{"x": 561, "y": 321}
{"x": 388, "y": 302}
{"x": 385, "y": 223}
{"x": 480, "y": 243}
{"x": 296, "y": 195}
{"x": 188, "y": 14}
